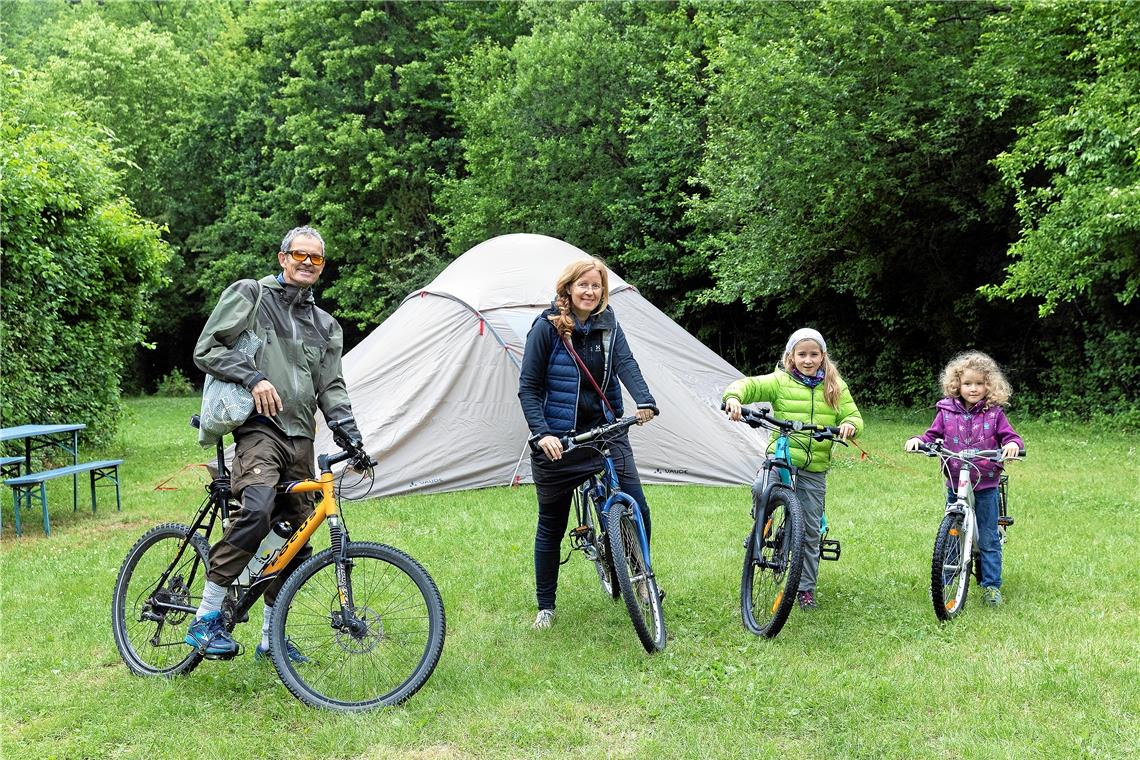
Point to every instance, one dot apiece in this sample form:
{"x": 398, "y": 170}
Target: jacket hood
{"x": 956, "y": 405}
{"x": 291, "y": 293}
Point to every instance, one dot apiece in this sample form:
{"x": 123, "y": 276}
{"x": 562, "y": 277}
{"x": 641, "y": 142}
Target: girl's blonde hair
{"x": 997, "y": 387}
{"x": 563, "y": 321}
{"x": 831, "y": 378}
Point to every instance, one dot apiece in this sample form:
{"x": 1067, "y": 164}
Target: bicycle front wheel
{"x": 374, "y": 652}
{"x": 950, "y": 568}
{"x": 773, "y": 562}
{"x": 635, "y": 579}
{"x": 156, "y": 595}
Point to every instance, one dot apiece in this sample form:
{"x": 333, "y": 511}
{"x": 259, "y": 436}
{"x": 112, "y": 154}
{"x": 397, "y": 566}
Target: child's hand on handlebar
{"x": 846, "y": 430}
{"x": 912, "y": 444}
{"x": 733, "y": 408}
{"x": 1010, "y": 451}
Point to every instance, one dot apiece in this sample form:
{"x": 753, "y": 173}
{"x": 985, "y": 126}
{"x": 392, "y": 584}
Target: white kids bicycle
{"x": 956, "y": 547}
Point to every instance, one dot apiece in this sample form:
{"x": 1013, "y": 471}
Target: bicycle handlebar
{"x": 353, "y": 448}
{"x": 759, "y": 418}
{"x": 570, "y": 442}
{"x": 937, "y": 449}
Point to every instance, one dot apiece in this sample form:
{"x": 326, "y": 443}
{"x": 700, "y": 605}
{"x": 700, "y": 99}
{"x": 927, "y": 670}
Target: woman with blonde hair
{"x": 575, "y": 355}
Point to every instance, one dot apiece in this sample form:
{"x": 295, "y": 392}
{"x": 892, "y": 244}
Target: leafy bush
{"x": 79, "y": 264}
{"x": 174, "y": 384}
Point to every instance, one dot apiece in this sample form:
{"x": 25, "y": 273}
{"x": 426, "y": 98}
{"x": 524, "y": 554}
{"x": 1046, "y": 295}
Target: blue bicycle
{"x": 774, "y": 548}
{"x": 611, "y": 533}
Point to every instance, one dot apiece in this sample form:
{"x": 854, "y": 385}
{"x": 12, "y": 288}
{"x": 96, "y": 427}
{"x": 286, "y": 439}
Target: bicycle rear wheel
{"x": 376, "y": 653}
{"x": 950, "y": 568}
{"x": 149, "y": 615}
{"x": 635, "y": 578}
{"x": 773, "y": 562}
{"x": 603, "y": 561}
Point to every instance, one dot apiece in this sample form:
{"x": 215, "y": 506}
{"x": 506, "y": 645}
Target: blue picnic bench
{"x": 27, "y": 488}
{"x": 10, "y": 467}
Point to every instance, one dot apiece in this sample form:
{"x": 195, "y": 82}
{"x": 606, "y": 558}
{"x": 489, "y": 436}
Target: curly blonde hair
{"x": 563, "y": 321}
{"x": 997, "y": 387}
{"x": 832, "y": 381}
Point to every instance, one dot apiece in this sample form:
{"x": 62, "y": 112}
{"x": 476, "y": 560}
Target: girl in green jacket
{"x": 806, "y": 386}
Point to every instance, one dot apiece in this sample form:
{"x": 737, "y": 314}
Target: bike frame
{"x": 327, "y": 509}
{"x": 609, "y": 473}
{"x": 608, "y": 478}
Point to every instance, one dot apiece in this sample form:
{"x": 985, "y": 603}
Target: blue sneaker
{"x": 291, "y": 649}
{"x": 208, "y": 635}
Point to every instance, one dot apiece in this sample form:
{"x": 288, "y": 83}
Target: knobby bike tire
{"x": 148, "y": 635}
{"x": 604, "y": 563}
{"x": 773, "y": 563}
{"x": 949, "y": 569}
{"x": 382, "y": 663}
{"x": 635, "y": 579}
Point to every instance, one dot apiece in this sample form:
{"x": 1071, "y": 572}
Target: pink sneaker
{"x": 807, "y": 600}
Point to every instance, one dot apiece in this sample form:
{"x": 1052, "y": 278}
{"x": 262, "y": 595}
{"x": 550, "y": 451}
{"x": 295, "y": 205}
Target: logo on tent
{"x": 668, "y": 471}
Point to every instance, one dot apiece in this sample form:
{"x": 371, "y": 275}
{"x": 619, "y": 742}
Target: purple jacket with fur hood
{"x": 975, "y": 428}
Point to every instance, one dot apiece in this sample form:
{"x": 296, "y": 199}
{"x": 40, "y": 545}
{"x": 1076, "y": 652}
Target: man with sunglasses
{"x": 296, "y": 370}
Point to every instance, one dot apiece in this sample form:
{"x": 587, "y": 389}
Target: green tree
{"x": 79, "y": 265}
{"x": 341, "y": 121}
{"x": 587, "y": 129}
{"x": 1075, "y": 167}
{"x": 847, "y": 184}
{"x": 1068, "y": 72}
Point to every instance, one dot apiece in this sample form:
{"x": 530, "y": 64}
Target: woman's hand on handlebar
{"x": 551, "y": 446}
{"x": 733, "y": 408}
{"x": 643, "y": 416}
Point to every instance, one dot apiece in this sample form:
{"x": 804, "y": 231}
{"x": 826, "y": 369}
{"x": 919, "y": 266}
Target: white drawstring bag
{"x": 225, "y": 405}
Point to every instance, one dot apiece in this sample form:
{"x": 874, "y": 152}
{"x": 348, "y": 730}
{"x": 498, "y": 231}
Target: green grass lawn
{"x": 1053, "y": 673}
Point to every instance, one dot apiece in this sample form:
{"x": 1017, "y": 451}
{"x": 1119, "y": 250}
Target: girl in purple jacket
{"x": 971, "y": 417}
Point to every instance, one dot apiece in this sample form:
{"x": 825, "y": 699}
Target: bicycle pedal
{"x": 1005, "y": 521}
{"x": 829, "y": 549}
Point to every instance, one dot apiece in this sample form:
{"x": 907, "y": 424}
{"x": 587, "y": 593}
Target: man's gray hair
{"x": 297, "y": 232}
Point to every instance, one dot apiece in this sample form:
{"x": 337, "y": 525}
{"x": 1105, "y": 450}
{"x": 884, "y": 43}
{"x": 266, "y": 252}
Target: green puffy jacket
{"x": 792, "y": 400}
{"x": 300, "y": 352}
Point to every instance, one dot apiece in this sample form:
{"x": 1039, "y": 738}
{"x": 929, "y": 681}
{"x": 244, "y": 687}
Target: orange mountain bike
{"x": 368, "y": 617}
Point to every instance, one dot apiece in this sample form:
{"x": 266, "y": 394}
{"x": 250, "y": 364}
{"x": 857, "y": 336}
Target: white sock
{"x": 265, "y": 623}
{"x": 212, "y": 597}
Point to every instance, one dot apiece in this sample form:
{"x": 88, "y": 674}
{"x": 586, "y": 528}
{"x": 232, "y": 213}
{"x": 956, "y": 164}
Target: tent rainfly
{"x": 435, "y": 387}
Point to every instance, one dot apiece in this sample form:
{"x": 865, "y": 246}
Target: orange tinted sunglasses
{"x": 316, "y": 258}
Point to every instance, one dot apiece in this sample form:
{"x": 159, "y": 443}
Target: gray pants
{"x": 811, "y": 488}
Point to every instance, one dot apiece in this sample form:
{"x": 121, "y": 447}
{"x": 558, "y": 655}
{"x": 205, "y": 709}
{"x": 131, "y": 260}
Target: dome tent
{"x": 435, "y": 387}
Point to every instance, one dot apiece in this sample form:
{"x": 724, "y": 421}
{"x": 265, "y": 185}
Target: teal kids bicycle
{"x": 774, "y": 548}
